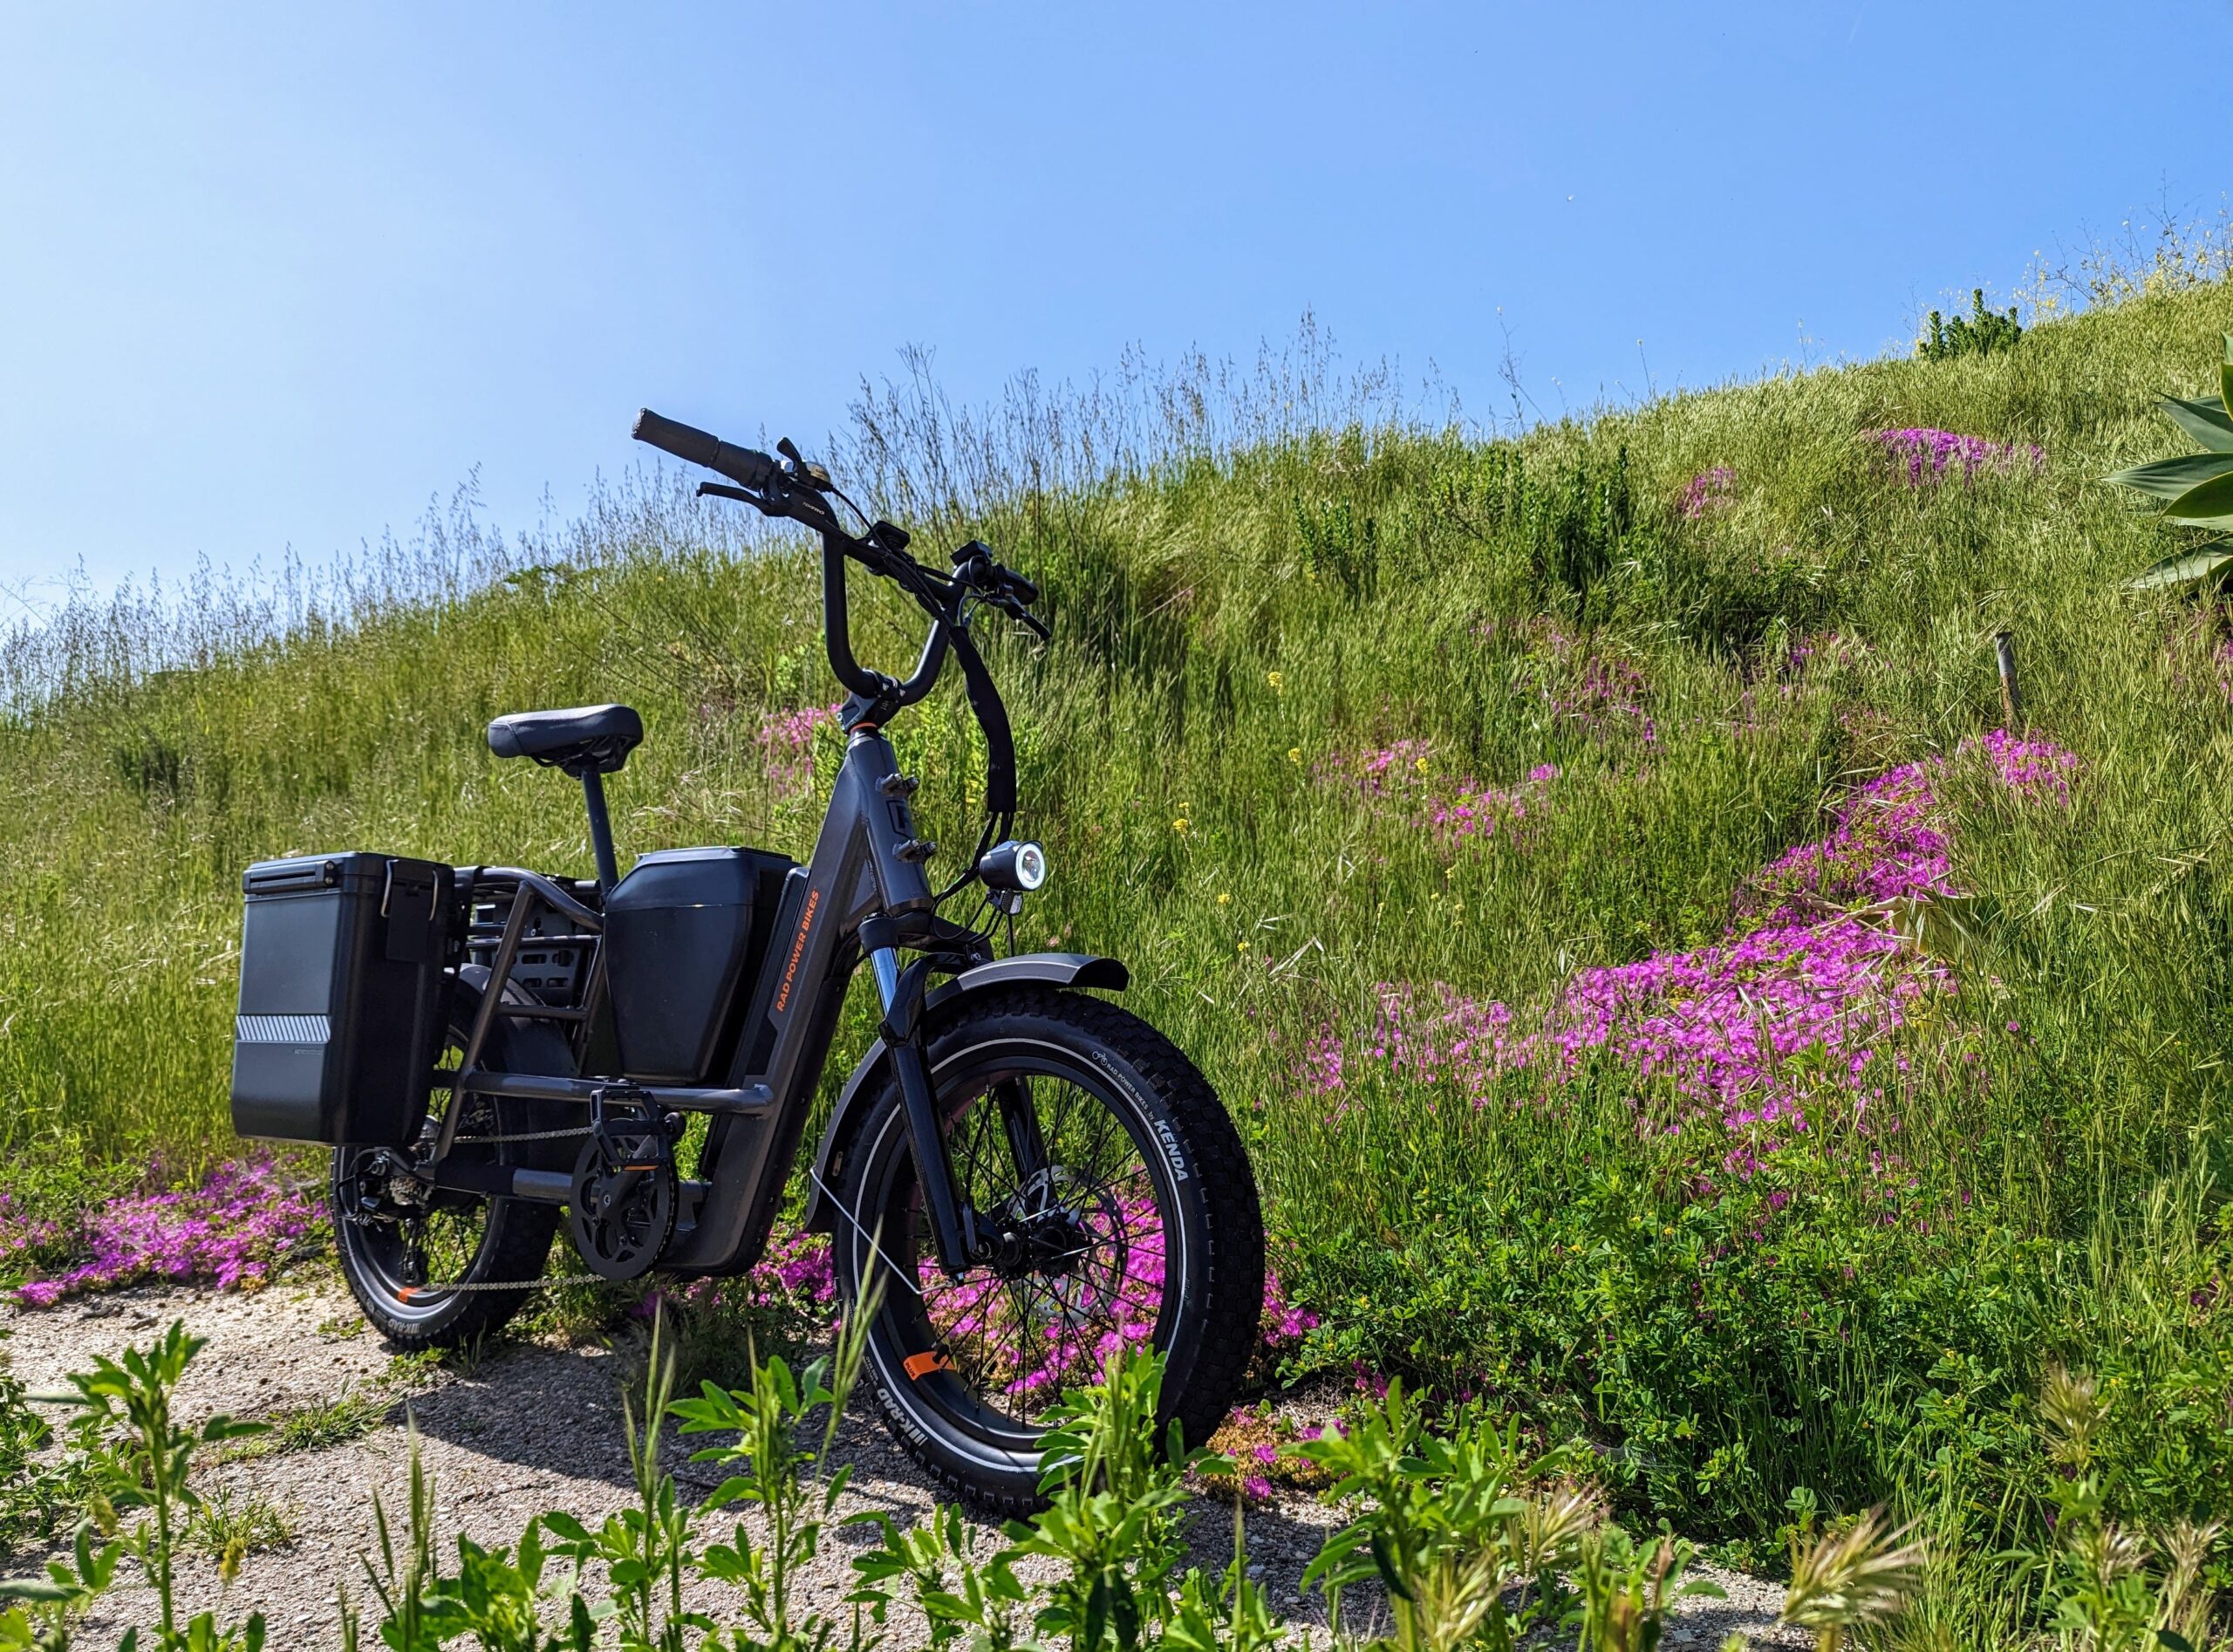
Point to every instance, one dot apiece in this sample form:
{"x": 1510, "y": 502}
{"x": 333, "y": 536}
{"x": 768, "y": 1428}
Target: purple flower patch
{"x": 786, "y": 742}
{"x": 1708, "y": 491}
{"x": 1926, "y": 454}
{"x": 1800, "y": 999}
{"x": 231, "y": 1231}
{"x": 1401, "y": 779}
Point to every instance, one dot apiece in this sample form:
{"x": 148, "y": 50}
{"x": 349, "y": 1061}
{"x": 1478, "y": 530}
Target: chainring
{"x": 623, "y": 1208}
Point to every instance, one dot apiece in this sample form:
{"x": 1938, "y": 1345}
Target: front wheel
{"x": 1126, "y": 1213}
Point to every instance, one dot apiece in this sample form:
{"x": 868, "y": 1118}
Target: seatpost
{"x": 608, "y": 869}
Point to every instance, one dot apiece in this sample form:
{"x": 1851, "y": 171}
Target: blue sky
{"x": 277, "y": 275}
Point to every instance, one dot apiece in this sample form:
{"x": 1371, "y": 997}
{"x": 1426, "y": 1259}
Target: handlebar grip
{"x": 745, "y": 466}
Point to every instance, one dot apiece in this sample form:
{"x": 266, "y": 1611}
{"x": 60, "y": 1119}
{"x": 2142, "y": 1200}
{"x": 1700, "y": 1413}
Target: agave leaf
{"x": 2208, "y": 504}
{"x": 2174, "y": 478}
{"x": 2206, "y": 421}
{"x": 2182, "y": 568}
{"x": 2225, "y": 375}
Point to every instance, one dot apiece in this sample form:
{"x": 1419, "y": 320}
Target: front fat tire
{"x": 1210, "y": 1333}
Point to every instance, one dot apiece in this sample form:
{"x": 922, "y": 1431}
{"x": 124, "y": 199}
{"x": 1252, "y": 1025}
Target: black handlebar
{"x": 747, "y": 467}
{"x": 836, "y": 630}
{"x": 779, "y": 490}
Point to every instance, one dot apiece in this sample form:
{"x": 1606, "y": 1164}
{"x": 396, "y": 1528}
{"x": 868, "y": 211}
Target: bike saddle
{"x": 585, "y": 739}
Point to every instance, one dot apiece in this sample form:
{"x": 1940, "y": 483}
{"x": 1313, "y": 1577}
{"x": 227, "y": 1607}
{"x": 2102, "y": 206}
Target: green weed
{"x": 315, "y": 1428}
{"x": 231, "y": 1525}
{"x": 137, "y": 1461}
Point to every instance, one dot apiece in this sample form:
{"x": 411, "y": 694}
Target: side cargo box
{"x": 341, "y": 998}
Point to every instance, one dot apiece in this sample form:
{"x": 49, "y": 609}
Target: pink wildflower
{"x": 230, "y": 1231}
{"x": 1709, "y": 490}
{"x": 1928, "y": 453}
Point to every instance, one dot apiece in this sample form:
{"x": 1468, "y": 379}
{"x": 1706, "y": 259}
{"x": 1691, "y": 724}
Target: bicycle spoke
{"x": 1020, "y": 1335}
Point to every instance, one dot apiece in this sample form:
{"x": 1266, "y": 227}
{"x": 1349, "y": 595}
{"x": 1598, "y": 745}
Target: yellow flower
{"x": 1295, "y": 755}
{"x": 1419, "y": 763}
{"x": 1278, "y": 680}
{"x": 1180, "y": 824}
{"x": 1244, "y": 946}
{"x": 1225, "y": 900}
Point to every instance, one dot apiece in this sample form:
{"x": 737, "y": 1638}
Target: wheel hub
{"x": 382, "y": 1188}
{"x": 1047, "y": 1243}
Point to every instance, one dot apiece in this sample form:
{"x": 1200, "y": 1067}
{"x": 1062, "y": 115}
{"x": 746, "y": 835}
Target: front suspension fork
{"x": 956, "y": 1229}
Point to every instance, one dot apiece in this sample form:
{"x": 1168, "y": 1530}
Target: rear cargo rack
{"x": 530, "y": 895}
{"x": 530, "y": 891}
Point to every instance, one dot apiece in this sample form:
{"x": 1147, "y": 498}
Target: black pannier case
{"x": 684, "y": 934}
{"x": 341, "y": 998}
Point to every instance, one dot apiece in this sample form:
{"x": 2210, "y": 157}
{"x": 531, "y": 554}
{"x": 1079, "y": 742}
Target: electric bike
{"x": 1021, "y": 1174}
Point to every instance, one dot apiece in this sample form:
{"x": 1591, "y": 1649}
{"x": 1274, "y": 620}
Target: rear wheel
{"x": 1129, "y": 1217}
{"x": 419, "y": 1264}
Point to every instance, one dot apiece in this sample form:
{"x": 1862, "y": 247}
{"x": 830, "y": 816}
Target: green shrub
{"x": 1979, "y": 333}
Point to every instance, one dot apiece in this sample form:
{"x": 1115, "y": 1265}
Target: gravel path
{"x": 528, "y": 1428}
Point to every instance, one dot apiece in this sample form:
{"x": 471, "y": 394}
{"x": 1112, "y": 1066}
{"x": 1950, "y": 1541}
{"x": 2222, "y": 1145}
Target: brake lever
{"x": 722, "y": 490}
{"x": 1016, "y": 610}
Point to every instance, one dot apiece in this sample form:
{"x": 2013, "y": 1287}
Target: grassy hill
{"x": 1443, "y": 796}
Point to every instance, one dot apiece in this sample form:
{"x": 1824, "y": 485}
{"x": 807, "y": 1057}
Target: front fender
{"x": 1056, "y": 969}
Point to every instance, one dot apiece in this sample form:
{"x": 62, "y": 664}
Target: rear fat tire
{"x": 517, "y": 1247}
{"x": 516, "y": 1243}
{"x": 1208, "y": 1335}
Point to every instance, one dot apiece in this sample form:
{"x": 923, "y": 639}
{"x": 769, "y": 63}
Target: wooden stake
{"x": 2004, "y": 643}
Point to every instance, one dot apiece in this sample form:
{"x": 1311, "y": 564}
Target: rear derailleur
{"x": 383, "y": 1186}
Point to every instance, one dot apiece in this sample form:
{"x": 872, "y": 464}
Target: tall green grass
{"x": 1253, "y": 582}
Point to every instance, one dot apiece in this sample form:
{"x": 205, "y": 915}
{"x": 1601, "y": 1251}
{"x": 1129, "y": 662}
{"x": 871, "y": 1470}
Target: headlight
{"x": 1012, "y": 865}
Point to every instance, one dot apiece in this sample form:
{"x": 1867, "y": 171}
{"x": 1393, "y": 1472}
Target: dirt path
{"x": 530, "y": 1428}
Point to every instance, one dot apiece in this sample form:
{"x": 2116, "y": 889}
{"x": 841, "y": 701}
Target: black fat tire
{"x": 517, "y": 1243}
{"x": 1216, "y": 1323}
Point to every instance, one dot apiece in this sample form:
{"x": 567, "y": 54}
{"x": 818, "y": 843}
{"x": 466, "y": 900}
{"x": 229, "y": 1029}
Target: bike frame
{"x": 864, "y": 890}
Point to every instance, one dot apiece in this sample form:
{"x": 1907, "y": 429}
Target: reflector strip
{"x": 919, "y": 1366}
{"x": 281, "y": 1029}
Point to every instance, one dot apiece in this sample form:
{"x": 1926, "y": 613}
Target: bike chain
{"x": 525, "y": 1135}
{"x": 463, "y": 1287}
{"x": 466, "y": 1286}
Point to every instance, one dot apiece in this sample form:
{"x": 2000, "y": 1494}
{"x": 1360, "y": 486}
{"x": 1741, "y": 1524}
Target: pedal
{"x": 643, "y": 1142}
